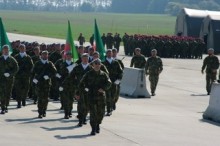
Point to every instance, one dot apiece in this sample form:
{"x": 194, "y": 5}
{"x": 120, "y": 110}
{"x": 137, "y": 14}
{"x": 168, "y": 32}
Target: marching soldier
{"x": 154, "y": 67}
{"x": 62, "y": 73}
{"x": 115, "y": 74}
{"x": 81, "y": 39}
{"x": 138, "y": 60}
{"x": 8, "y": 69}
{"x": 22, "y": 78}
{"x": 114, "y": 56}
{"x": 211, "y": 64}
{"x": 96, "y": 83}
{"x": 43, "y": 71}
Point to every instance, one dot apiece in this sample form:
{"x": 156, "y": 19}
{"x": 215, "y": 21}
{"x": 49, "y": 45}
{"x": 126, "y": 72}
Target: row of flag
{"x": 69, "y": 46}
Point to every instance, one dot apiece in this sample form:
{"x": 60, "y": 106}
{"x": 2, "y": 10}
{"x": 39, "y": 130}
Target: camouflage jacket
{"x": 210, "y": 63}
{"x": 154, "y": 65}
{"x": 138, "y": 61}
{"x": 40, "y": 70}
{"x": 10, "y": 65}
{"x": 25, "y": 66}
{"x": 114, "y": 69}
{"x": 54, "y": 56}
{"x": 94, "y": 81}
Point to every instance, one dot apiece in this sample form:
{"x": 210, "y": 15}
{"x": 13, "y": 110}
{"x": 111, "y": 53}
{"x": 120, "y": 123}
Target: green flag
{"x": 70, "y": 47}
{"x": 98, "y": 44}
{"x": 3, "y": 37}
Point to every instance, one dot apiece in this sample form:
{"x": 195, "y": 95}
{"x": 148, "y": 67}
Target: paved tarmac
{"x": 171, "y": 118}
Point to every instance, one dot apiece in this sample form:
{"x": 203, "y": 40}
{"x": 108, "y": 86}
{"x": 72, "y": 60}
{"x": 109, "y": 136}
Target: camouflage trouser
{"x": 5, "y": 92}
{"x": 67, "y": 101}
{"x": 153, "y": 82}
{"x": 54, "y": 90}
{"x": 97, "y": 111}
{"x": 210, "y": 77}
{"x": 117, "y": 93}
{"x": 83, "y": 107}
{"x": 21, "y": 88}
{"x": 110, "y": 97}
{"x": 43, "y": 95}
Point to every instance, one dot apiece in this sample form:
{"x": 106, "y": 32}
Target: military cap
{"x": 97, "y": 61}
{"x": 210, "y": 49}
{"x": 153, "y": 50}
{"x": 96, "y": 52}
{"x": 85, "y": 55}
{"x": 137, "y": 49}
{"x": 44, "y": 52}
{"x": 109, "y": 50}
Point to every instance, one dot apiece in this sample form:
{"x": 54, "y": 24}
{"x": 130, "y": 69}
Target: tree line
{"x": 171, "y": 7}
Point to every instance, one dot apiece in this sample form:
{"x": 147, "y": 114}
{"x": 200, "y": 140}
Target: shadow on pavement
{"x": 72, "y": 137}
{"x": 199, "y": 95}
{"x": 210, "y": 122}
{"x": 60, "y": 128}
{"x": 129, "y": 97}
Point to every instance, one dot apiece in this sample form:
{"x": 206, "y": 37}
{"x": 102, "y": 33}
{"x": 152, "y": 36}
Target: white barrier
{"x": 213, "y": 110}
{"x": 134, "y": 83}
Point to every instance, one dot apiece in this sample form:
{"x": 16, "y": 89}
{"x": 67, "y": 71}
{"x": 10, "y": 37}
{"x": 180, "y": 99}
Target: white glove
{"x": 60, "y": 89}
{"x": 117, "y": 82}
{"x": 35, "y": 81}
{"x": 58, "y": 75}
{"x": 6, "y": 75}
{"x": 87, "y": 89}
{"x": 46, "y": 77}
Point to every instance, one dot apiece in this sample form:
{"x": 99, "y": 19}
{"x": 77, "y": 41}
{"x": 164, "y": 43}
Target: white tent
{"x": 189, "y": 21}
{"x": 210, "y": 31}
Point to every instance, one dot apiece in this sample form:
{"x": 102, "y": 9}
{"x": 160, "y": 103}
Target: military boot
{"x": 97, "y": 128}
{"x": 40, "y": 114}
{"x": 44, "y": 114}
{"x": 23, "y": 103}
{"x": 66, "y": 115}
{"x": 93, "y": 132}
{"x": 19, "y": 104}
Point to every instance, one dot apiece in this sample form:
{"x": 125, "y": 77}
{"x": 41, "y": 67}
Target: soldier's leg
{"x": 64, "y": 97}
{"x": 71, "y": 96}
{"x": 2, "y": 99}
{"x": 8, "y": 93}
{"x": 100, "y": 114}
{"x": 152, "y": 84}
{"x": 208, "y": 83}
{"x": 81, "y": 108}
{"x": 108, "y": 102}
{"x": 18, "y": 89}
{"x": 40, "y": 102}
{"x": 86, "y": 107}
{"x": 26, "y": 86}
{"x": 115, "y": 94}
{"x": 46, "y": 92}
{"x": 93, "y": 116}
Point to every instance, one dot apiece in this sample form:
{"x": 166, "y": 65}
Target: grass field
{"x": 55, "y": 24}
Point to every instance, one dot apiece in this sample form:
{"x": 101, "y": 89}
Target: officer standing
{"x": 43, "y": 71}
{"x": 8, "y": 69}
{"x": 138, "y": 60}
{"x": 211, "y": 64}
{"x": 95, "y": 82}
{"x": 22, "y": 78}
{"x": 81, "y": 39}
{"x": 154, "y": 67}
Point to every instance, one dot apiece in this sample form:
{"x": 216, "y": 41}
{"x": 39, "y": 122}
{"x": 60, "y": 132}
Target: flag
{"x": 70, "y": 46}
{"x": 4, "y": 38}
{"x": 98, "y": 44}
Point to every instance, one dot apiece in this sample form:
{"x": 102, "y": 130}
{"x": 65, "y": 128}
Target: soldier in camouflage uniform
{"x": 43, "y": 71}
{"x": 22, "y": 78}
{"x": 35, "y": 59}
{"x": 74, "y": 79}
{"x": 68, "y": 95}
{"x": 211, "y": 64}
{"x": 115, "y": 74}
{"x": 8, "y": 69}
{"x": 114, "y": 56}
{"x": 138, "y": 60}
{"x": 54, "y": 56}
{"x": 95, "y": 82}
{"x": 154, "y": 67}
{"x": 103, "y": 67}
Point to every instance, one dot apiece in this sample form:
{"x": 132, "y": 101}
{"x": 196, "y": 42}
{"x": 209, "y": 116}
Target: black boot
{"x": 44, "y": 114}
{"x": 6, "y": 109}
{"x": 80, "y": 123}
{"x": 93, "y": 132}
{"x": 23, "y": 103}
{"x": 40, "y": 114}
{"x": 66, "y": 115}
{"x": 3, "y": 111}
{"x": 19, "y": 104}
{"x": 97, "y": 129}
{"x": 84, "y": 121}
{"x": 70, "y": 114}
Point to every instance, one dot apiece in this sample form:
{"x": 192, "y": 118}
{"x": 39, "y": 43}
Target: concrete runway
{"x": 171, "y": 118}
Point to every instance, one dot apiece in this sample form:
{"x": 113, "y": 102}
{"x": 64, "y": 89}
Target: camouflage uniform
{"x": 138, "y": 61}
{"x": 67, "y": 96}
{"x": 94, "y": 81}
{"x": 22, "y": 78}
{"x": 83, "y": 105}
{"x": 210, "y": 63}
{"x": 154, "y": 66}
{"x": 33, "y": 86}
{"x": 115, "y": 73}
{"x": 43, "y": 86}
{"x": 10, "y": 66}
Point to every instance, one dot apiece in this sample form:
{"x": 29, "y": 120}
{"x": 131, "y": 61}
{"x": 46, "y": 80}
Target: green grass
{"x": 55, "y": 24}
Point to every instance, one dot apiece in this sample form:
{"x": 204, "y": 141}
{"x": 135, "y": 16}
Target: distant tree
{"x": 86, "y": 7}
